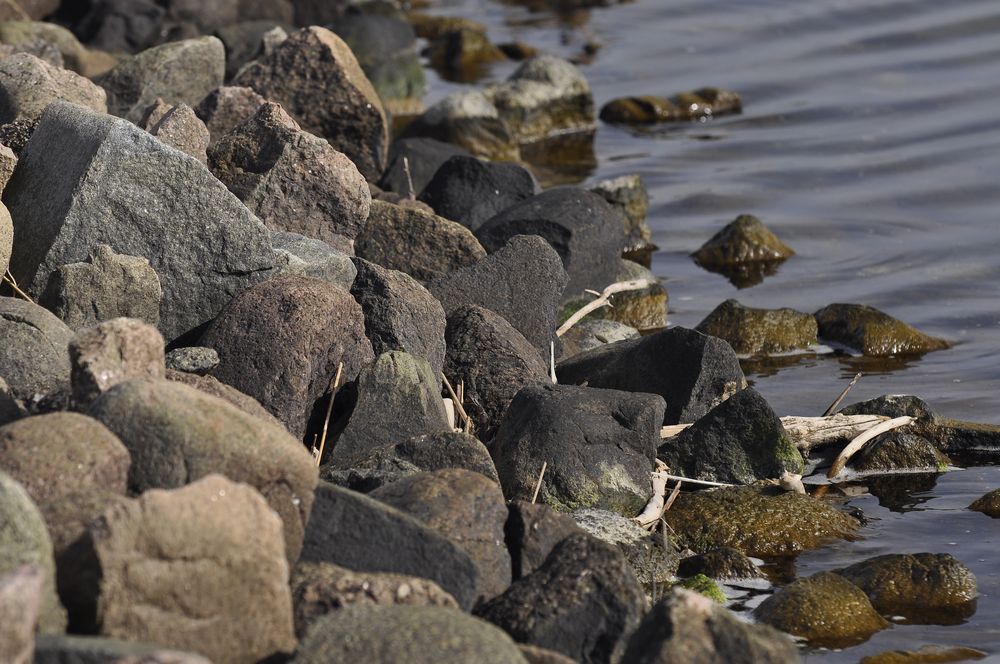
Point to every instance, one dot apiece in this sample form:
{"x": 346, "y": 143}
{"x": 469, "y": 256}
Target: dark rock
{"x": 469, "y": 119}
{"x": 759, "y": 331}
{"x": 319, "y": 12}
{"x": 210, "y": 385}
{"x": 98, "y": 650}
{"x": 369, "y": 473}
{"x": 317, "y": 79}
{"x": 868, "y": 330}
{"x": 628, "y": 195}
{"x": 652, "y": 560}
{"x": 691, "y": 371}
{"x": 642, "y": 309}
{"x": 899, "y": 452}
{"x": 756, "y": 521}
{"x": 583, "y": 602}
{"x": 179, "y": 128}
{"x": 744, "y": 251}
{"x": 121, "y": 26}
{"x": 924, "y": 587}
{"x": 824, "y": 609}
{"x": 192, "y": 359}
{"x": 365, "y": 535}
{"x": 292, "y": 180}
{"x": 423, "y": 156}
{"x": 246, "y": 41}
{"x": 685, "y": 627}
{"x": 309, "y": 257}
{"x": 299, "y": 329}
{"x": 647, "y": 109}
{"x": 16, "y": 135}
{"x": 462, "y": 54}
{"x": 28, "y": 85}
{"x": 20, "y": 605}
{"x": 177, "y": 434}
{"x": 988, "y": 504}
{"x": 11, "y": 409}
{"x": 71, "y": 190}
{"x": 470, "y": 191}
{"x": 589, "y": 334}
{"x": 583, "y": 229}
{"x": 36, "y": 360}
{"x": 225, "y": 108}
{"x": 532, "y": 531}
{"x": 113, "y": 352}
{"x": 598, "y": 444}
{"x": 724, "y": 563}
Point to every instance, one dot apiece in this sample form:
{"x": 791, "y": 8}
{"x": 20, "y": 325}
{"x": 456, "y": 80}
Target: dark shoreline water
{"x": 870, "y": 143}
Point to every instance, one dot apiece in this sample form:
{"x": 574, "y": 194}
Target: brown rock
{"x": 8, "y": 161}
{"x": 211, "y": 385}
{"x": 873, "y": 332}
{"x": 20, "y": 605}
{"x": 28, "y": 85}
{"x": 743, "y": 240}
{"x": 114, "y": 351}
{"x": 6, "y": 234}
{"x": 11, "y": 11}
{"x": 178, "y": 127}
{"x": 988, "y": 504}
{"x": 225, "y": 108}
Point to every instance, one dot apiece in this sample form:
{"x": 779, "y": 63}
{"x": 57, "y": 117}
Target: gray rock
{"x": 8, "y": 162}
{"x": 628, "y": 195}
{"x": 73, "y": 53}
{"x": 423, "y": 156}
{"x": 247, "y": 41}
{"x": 6, "y": 234}
{"x": 310, "y": 257}
{"x": 227, "y": 107}
{"x": 36, "y": 360}
{"x": 100, "y": 650}
{"x": 105, "y": 286}
{"x": 20, "y": 605}
{"x": 113, "y": 352}
{"x": 10, "y": 409}
{"x": 40, "y": 48}
{"x": 653, "y": 559}
{"x": 193, "y": 359}
{"x": 532, "y": 531}
{"x": 179, "y": 128}
{"x": 210, "y": 385}
{"x": 28, "y": 85}
{"x": 589, "y": 334}
{"x": 121, "y": 26}
{"x": 468, "y": 119}
{"x": 471, "y": 191}
{"x": 165, "y": 206}
{"x": 436, "y": 451}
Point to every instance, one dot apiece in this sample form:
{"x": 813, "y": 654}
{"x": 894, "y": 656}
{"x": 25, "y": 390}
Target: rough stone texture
{"x": 299, "y": 329}
{"x": 20, "y": 605}
{"x": 757, "y": 521}
{"x": 400, "y": 314}
{"x": 433, "y": 451}
{"x": 10, "y": 409}
{"x": 225, "y": 108}
{"x": 248, "y": 40}
{"x": 36, "y": 360}
{"x": 583, "y": 602}
{"x": 759, "y": 331}
{"x": 20, "y": 33}
{"x": 40, "y": 48}
{"x": 988, "y": 504}
{"x": 99, "y": 650}
{"x": 322, "y": 588}
{"x": 180, "y": 128}
{"x": 652, "y": 559}
{"x": 468, "y": 119}
{"x": 686, "y": 106}
{"x": 899, "y": 452}
{"x": 182, "y": 71}
{"x": 25, "y": 541}
{"x": 6, "y": 234}
{"x": 29, "y": 84}
{"x": 581, "y": 226}
{"x": 599, "y": 446}
{"x": 177, "y": 434}
{"x": 86, "y": 180}
{"x": 105, "y": 286}
{"x": 210, "y": 385}
{"x": 492, "y": 360}
{"x": 413, "y": 634}
{"x": 16, "y": 135}
{"x": 113, "y": 352}
{"x": 628, "y": 195}
{"x": 471, "y": 191}
{"x": 316, "y": 77}
{"x": 192, "y": 359}
{"x": 8, "y": 162}
{"x": 642, "y": 309}
{"x": 220, "y": 542}
{"x": 916, "y": 585}
{"x": 724, "y": 563}
{"x": 532, "y": 531}
{"x": 522, "y": 282}
{"x": 292, "y": 180}
{"x": 744, "y": 251}
{"x": 686, "y": 627}
{"x": 590, "y": 334}
{"x": 423, "y": 156}
{"x": 872, "y": 332}
{"x": 309, "y": 257}
{"x": 825, "y": 609}
{"x": 693, "y": 372}
{"x": 418, "y": 243}
{"x": 465, "y": 507}
{"x": 365, "y": 535}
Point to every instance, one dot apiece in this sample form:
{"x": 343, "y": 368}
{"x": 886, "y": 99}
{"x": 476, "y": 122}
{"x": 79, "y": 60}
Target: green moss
{"x": 788, "y": 455}
{"x": 700, "y": 583}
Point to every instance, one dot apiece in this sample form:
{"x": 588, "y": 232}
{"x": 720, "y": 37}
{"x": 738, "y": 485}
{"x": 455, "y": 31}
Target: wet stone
{"x": 872, "y": 332}
{"x": 694, "y": 105}
{"x": 988, "y": 504}
{"x": 724, "y": 563}
{"x": 899, "y": 452}
{"x": 759, "y": 331}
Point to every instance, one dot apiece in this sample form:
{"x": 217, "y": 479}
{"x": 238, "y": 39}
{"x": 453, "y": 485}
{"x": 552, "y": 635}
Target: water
{"x": 870, "y": 143}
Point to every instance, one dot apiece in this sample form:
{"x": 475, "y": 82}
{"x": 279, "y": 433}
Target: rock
{"x": 25, "y": 541}
{"x": 16, "y": 135}
{"x": 872, "y": 332}
{"x": 470, "y": 191}
{"x": 365, "y": 535}
{"x": 246, "y": 41}
{"x": 824, "y": 609}
{"x": 642, "y": 309}
{"x": 583, "y": 602}
{"x": 462, "y": 54}
{"x": 210, "y": 385}
{"x": 99, "y": 650}
{"x": 988, "y": 504}
{"x": 121, "y": 26}
{"x": 925, "y": 587}
{"x": 413, "y": 634}
{"x": 532, "y": 531}
{"x": 225, "y": 108}
{"x": 40, "y": 48}
{"x": 744, "y": 251}
{"x": 400, "y": 314}
{"x": 899, "y": 452}
{"x": 294, "y": 181}
{"x": 759, "y": 331}
{"x": 536, "y": 655}
{"x": 929, "y": 654}
{"x": 628, "y": 195}
{"x": 724, "y": 563}
{"x": 8, "y": 162}
{"x": 739, "y": 441}
{"x": 686, "y": 627}
{"x": 316, "y": 77}
{"x": 756, "y": 521}
{"x": 704, "y": 586}
{"x": 113, "y": 352}
{"x": 523, "y": 282}
{"x": 309, "y": 257}
{"x": 6, "y": 235}
{"x": 398, "y": 398}
{"x": 192, "y": 359}
{"x": 468, "y": 119}
{"x": 646, "y": 109}
{"x": 299, "y": 329}
{"x": 693, "y": 372}
{"x": 651, "y": 559}
{"x": 180, "y": 128}
{"x": 598, "y": 444}
{"x": 182, "y": 71}
{"x": 36, "y": 360}
{"x": 436, "y": 451}
{"x": 11, "y": 11}
{"x": 322, "y": 588}
{"x": 106, "y": 285}
{"x": 20, "y": 604}
{"x": 10, "y": 409}
{"x": 220, "y": 542}
{"x": 423, "y": 156}
{"x": 211, "y": 248}
{"x": 73, "y": 53}
{"x": 177, "y": 434}
{"x": 589, "y": 334}
{"x": 584, "y": 230}
{"x": 28, "y": 85}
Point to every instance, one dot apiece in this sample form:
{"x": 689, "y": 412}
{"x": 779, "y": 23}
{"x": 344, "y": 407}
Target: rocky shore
{"x": 297, "y": 370}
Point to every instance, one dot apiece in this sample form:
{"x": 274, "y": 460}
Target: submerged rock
{"x": 872, "y": 332}
{"x": 759, "y": 331}
{"x": 695, "y": 105}
{"x": 929, "y": 654}
{"x": 745, "y": 251}
{"x": 462, "y": 54}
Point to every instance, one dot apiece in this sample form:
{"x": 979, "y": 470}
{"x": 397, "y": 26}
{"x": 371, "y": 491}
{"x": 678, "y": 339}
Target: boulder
{"x": 693, "y": 372}
{"x": 988, "y": 504}
{"x": 594, "y": 333}
{"x": 113, "y": 352}
{"x": 177, "y": 434}
{"x": 698, "y": 104}
{"x": 422, "y": 157}
{"x": 225, "y": 108}
{"x": 20, "y": 605}
{"x": 221, "y": 543}
{"x": 872, "y": 332}
{"x": 924, "y": 587}
{"x": 653, "y": 559}
{"x": 724, "y": 564}
{"x": 470, "y": 120}
{"x": 213, "y": 387}
{"x": 299, "y": 330}
{"x": 179, "y": 128}
{"x": 471, "y": 191}
{"x": 898, "y": 452}
{"x": 628, "y": 195}
{"x": 745, "y": 251}
{"x": 598, "y": 446}
{"x": 433, "y": 451}
{"x": 192, "y": 359}
{"x": 532, "y": 531}
{"x": 317, "y": 79}
{"x": 309, "y": 257}
{"x": 72, "y": 191}
{"x": 294, "y": 181}
{"x": 759, "y": 331}
{"x": 29, "y": 84}
{"x": 583, "y": 602}
{"x": 36, "y": 360}
{"x": 100, "y": 650}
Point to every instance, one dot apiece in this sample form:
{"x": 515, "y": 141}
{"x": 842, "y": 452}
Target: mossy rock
{"x": 930, "y": 654}
{"x": 703, "y": 585}
{"x": 642, "y": 309}
{"x": 744, "y": 240}
{"x": 873, "y": 332}
{"x": 461, "y": 55}
{"x": 759, "y": 331}
{"x": 648, "y": 109}
{"x": 899, "y": 452}
{"x": 723, "y": 563}
{"x": 988, "y": 504}
{"x": 653, "y": 559}
{"x": 759, "y": 521}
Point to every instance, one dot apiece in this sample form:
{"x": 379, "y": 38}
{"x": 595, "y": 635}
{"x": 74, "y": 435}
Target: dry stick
{"x": 538, "y": 485}
{"x": 836, "y": 402}
{"x": 458, "y": 404}
{"x": 329, "y": 410}
{"x": 467, "y": 427}
{"x": 552, "y": 361}
{"x": 9, "y": 278}
{"x": 602, "y": 301}
{"x": 409, "y": 179}
{"x": 859, "y": 442}
{"x": 673, "y": 496}
{"x": 691, "y": 481}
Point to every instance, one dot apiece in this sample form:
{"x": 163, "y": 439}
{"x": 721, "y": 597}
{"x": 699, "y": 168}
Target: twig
{"x": 836, "y": 402}
{"x": 859, "y": 442}
{"x": 552, "y": 361}
{"x": 467, "y": 427}
{"x": 538, "y": 485}
{"x": 409, "y": 178}
{"x": 463, "y": 416}
{"x": 691, "y": 481}
{"x": 673, "y": 496}
{"x": 9, "y": 278}
{"x": 604, "y": 300}
{"x": 329, "y": 410}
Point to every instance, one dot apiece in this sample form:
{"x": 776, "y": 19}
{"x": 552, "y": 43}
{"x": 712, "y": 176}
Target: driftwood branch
{"x": 463, "y": 416}
{"x": 859, "y": 442}
{"x": 603, "y": 300}
{"x": 334, "y": 386}
{"x": 809, "y": 432}
{"x": 653, "y": 510}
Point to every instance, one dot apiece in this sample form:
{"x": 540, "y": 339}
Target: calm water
{"x": 870, "y": 143}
